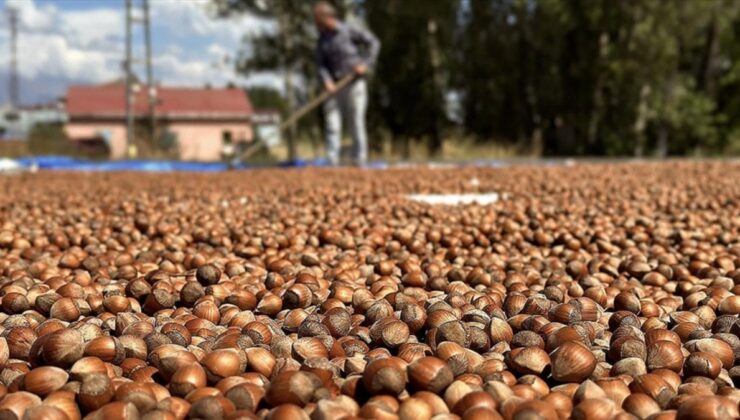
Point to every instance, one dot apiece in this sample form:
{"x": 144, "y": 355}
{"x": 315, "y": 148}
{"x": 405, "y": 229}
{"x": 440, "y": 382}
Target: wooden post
{"x": 285, "y": 29}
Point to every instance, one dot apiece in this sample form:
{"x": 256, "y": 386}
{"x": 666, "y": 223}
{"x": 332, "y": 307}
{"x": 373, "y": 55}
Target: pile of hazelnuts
{"x": 598, "y": 291}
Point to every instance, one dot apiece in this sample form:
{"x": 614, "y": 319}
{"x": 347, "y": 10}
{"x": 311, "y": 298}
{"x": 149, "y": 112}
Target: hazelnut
{"x": 45, "y": 411}
{"x": 415, "y": 409}
{"x": 707, "y": 407}
{"x": 702, "y": 364}
{"x": 115, "y": 410}
{"x": 287, "y": 411}
{"x": 63, "y": 348}
{"x": 290, "y": 387}
{"x": 95, "y": 391}
{"x": 528, "y": 360}
{"x": 430, "y": 374}
{"x": 594, "y": 408}
{"x": 572, "y": 362}
{"x": 14, "y": 405}
{"x": 220, "y": 364}
{"x": 499, "y": 330}
{"x": 665, "y": 355}
{"x": 64, "y": 401}
{"x": 474, "y": 400}
{"x": 245, "y": 396}
{"x": 211, "y": 408}
{"x": 386, "y": 375}
{"x": 640, "y": 405}
{"x": 528, "y": 409}
{"x": 655, "y": 387}
{"x": 186, "y": 379}
{"x": 44, "y": 380}
{"x": 208, "y": 275}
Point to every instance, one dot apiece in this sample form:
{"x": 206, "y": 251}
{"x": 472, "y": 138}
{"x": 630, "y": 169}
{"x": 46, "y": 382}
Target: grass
{"x": 13, "y": 149}
{"x": 453, "y": 150}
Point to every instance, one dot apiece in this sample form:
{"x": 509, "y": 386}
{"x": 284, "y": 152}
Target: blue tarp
{"x": 65, "y": 163}
{"x": 46, "y": 161}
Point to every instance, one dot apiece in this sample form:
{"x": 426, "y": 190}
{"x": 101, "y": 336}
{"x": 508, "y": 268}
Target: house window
{"x": 227, "y": 145}
{"x": 168, "y": 140}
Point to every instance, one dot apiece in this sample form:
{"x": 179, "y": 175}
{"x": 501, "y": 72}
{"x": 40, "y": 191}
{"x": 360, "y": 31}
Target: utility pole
{"x": 13, "y": 87}
{"x": 285, "y": 31}
{"x": 130, "y": 146}
{"x": 131, "y": 85}
{"x": 152, "y": 90}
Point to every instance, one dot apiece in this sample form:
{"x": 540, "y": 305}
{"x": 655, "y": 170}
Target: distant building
{"x": 16, "y": 124}
{"x": 201, "y": 121}
{"x": 267, "y": 126}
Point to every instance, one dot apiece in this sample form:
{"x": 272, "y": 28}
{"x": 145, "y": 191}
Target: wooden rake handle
{"x": 302, "y": 111}
{"x": 316, "y": 101}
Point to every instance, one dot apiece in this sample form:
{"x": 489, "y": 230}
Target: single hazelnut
{"x": 430, "y": 374}
{"x": 572, "y": 362}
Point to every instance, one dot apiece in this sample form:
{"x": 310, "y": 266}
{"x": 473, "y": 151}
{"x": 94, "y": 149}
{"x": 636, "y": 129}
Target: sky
{"x": 64, "y": 42}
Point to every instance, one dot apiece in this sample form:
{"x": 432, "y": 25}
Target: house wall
{"x": 87, "y": 130}
{"x": 201, "y": 141}
{"x": 204, "y": 140}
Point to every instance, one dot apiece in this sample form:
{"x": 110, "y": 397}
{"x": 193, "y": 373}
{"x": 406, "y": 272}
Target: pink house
{"x": 198, "y": 119}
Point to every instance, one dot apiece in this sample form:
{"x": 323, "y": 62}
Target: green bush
{"x": 49, "y": 139}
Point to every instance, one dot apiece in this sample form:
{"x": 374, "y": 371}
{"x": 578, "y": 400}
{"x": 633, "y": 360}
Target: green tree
{"x": 48, "y": 139}
{"x": 565, "y": 77}
{"x": 595, "y": 76}
{"x": 726, "y": 71}
{"x": 267, "y": 98}
{"x": 412, "y": 75}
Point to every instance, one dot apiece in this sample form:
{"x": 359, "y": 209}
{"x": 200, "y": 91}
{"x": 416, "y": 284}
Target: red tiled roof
{"x": 109, "y": 101}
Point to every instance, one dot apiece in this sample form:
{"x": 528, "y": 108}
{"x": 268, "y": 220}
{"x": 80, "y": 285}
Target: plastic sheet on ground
{"x": 455, "y": 199}
{"x": 62, "y": 163}
{"x": 65, "y": 163}
{"x": 10, "y": 166}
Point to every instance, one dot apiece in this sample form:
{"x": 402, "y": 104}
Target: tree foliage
{"x": 561, "y": 77}
{"x": 413, "y": 70}
{"x": 599, "y": 77}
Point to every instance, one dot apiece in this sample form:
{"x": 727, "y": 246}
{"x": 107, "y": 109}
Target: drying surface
{"x": 590, "y": 291}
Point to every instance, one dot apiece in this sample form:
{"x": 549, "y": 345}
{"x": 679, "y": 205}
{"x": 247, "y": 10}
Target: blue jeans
{"x": 350, "y": 103}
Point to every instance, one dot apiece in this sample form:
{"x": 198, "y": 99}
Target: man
{"x": 344, "y": 50}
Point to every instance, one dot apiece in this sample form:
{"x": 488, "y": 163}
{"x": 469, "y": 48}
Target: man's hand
{"x": 330, "y": 86}
{"x": 360, "y": 69}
